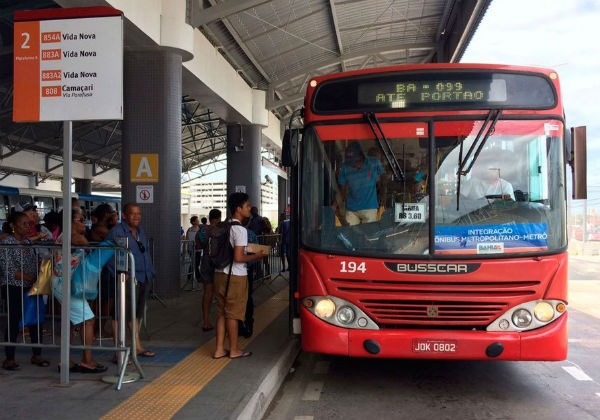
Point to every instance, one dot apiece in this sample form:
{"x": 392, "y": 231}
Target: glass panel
{"x": 3, "y": 207}
{"x": 25, "y": 199}
{"x": 44, "y": 205}
{"x": 351, "y": 203}
{"x": 513, "y": 198}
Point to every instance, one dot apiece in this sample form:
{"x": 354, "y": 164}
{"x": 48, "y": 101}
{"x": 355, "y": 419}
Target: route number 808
{"x": 352, "y": 267}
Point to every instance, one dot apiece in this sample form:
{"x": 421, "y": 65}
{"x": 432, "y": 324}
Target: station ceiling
{"x": 274, "y": 45}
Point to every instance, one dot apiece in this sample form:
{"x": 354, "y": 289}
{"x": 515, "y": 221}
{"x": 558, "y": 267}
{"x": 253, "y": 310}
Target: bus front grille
{"x": 434, "y": 303}
{"x": 410, "y": 312}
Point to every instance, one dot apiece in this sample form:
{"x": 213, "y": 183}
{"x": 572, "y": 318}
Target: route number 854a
{"x": 352, "y": 267}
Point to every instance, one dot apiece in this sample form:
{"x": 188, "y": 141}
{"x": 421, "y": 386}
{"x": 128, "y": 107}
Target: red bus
{"x": 429, "y": 213}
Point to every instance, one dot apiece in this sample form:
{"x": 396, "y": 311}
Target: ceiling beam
{"x": 336, "y": 28}
{"x": 389, "y": 23}
{"x": 348, "y": 56}
{"x": 241, "y": 44}
{"x": 201, "y": 16}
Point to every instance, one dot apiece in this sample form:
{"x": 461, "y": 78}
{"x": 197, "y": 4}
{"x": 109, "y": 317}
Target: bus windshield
{"x": 510, "y": 197}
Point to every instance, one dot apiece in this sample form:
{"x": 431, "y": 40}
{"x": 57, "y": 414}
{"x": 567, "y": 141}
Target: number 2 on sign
{"x": 26, "y": 37}
{"x": 352, "y": 267}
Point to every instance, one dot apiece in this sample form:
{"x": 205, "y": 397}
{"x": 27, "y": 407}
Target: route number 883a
{"x": 352, "y": 267}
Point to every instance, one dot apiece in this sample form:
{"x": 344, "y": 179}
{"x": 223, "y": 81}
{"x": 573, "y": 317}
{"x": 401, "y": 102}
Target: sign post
{"x": 68, "y": 66}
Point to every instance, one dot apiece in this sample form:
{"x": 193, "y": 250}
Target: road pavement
{"x": 323, "y": 387}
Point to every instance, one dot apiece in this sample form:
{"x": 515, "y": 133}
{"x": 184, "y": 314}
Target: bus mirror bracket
{"x": 577, "y": 159}
{"x": 289, "y": 147}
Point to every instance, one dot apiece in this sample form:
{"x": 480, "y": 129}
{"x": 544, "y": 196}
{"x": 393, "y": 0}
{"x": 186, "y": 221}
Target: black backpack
{"x": 219, "y": 249}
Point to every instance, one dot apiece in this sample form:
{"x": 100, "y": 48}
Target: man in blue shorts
{"x": 358, "y": 177}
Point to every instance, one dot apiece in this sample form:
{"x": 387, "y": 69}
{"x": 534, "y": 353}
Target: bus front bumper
{"x": 547, "y": 343}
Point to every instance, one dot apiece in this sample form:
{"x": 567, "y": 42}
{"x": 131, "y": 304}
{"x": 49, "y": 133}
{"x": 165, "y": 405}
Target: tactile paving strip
{"x": 167, "y": 394}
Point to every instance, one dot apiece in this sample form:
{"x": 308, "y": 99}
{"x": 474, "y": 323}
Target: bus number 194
{"x": 352, "y": 267}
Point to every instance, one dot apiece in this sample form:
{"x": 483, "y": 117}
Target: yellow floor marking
{"x": 167, "y": 394}
{"x": 583, "y": 296}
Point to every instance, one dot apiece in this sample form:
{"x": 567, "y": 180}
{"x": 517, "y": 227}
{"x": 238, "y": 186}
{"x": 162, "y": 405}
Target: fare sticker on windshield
{"x": 411, "y": 213}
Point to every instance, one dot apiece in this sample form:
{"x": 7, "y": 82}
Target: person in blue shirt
{"x": 144, "y": 271}
{"x": 358, "y": 177}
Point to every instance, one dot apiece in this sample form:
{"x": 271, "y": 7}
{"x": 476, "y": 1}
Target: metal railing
{"x": 267, "y": 270}
{"x": 263, "y": 272}
{"x": 93, "y": 292}
{"x": 189, "y": 258}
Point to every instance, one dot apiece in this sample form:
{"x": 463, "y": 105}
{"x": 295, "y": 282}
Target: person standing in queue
{"x": 17, "y": 274}
{"x": 206, "y": 270}
{"x": 231, "y": 301}
{"x": 137, "y": 243}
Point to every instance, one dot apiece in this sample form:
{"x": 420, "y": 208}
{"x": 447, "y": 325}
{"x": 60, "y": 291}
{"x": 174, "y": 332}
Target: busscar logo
{"x": 432, "y": 268}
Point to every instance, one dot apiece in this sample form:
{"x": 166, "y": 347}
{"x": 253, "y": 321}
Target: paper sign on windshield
{"x": 410, "y": 213}
{"x": 491, "y": 239}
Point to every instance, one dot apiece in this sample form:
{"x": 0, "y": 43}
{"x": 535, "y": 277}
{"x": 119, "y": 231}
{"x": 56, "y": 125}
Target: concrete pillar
{"x": 83, "y": 186}
{"x": 243, "y": 161}
{"x": 152, "y": 125}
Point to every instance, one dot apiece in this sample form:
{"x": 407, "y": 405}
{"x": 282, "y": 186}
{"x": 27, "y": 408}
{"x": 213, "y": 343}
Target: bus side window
{"x": 4, "y": 207}
{"x": 44, "y": 205}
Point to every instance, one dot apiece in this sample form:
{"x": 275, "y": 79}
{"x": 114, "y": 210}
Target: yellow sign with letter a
{"x": 144, "y": 167}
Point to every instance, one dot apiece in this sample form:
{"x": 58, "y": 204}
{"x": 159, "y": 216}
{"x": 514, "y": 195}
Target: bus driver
{"x": 487, "y": 183}
{"x": 358, "y": 177}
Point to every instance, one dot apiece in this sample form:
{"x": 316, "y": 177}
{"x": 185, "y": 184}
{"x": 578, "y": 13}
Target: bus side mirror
{"x": 289, "y": 148}
{"x": 577, "y": 159}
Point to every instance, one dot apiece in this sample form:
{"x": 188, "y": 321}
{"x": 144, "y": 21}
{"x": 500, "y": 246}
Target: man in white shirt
{"x": 487, "y": 183}
{"x": 232, "y": 297}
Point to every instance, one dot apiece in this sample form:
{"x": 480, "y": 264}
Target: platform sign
{"x": 68, "y": 65}
{"x": 144, "y": 167}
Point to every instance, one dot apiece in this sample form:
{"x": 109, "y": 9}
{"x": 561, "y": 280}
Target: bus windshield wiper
{"x": 385, "y": 147}
{"x": 462, "y": 162}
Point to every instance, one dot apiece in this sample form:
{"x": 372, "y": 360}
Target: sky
{"x": 556, "y": 34}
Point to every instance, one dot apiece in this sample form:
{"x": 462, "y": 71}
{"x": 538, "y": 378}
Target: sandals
{"x": 38, "y": 361}
{"x": 244, "y": 354}
{"x": 84, "y": 369}
{"x": 226, "y": 354}
{"x": 146, "y": 353}
{"x": 10, "y": 365}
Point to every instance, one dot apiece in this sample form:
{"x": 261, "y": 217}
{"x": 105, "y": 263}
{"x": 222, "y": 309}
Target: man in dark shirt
{"x": 257, "y": 223}
{"x": 144, "y": 271}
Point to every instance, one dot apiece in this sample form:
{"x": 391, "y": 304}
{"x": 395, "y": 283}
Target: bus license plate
{"x": 434, "y": 346}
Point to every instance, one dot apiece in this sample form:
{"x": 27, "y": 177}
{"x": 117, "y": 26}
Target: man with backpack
{"x": 227, "y": 251}
{"x": 206, "y": 270}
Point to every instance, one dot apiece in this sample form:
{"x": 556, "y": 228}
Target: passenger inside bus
{"x": 358, "y": 176}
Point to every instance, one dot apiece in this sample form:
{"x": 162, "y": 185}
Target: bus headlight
{"x": 325, "y": 308}
{"x": 521, "y": 318}
{"x": 338, "y": 312}
{"x": 529, "y": 315}
{"x": 345, "y": 315}
{"x": 543, "y": 311}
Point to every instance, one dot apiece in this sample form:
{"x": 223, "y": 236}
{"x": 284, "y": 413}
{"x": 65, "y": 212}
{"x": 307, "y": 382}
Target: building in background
{"x": 200, "y": 196}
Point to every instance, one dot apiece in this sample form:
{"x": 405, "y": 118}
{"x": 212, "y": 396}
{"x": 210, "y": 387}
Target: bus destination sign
{"x": 430, "y": 91}
{"x": 406, "y": 93}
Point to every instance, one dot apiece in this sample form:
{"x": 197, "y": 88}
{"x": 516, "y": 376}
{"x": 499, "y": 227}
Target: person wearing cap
{"x": 358, "y": 177}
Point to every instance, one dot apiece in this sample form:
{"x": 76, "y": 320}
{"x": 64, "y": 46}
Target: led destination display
{"x": 405, "y": 94}
{"x": 409, "y": 91}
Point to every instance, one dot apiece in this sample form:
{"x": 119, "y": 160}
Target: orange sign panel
{"x": 144, "y": 167}
{"x": 26, "y": 98}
